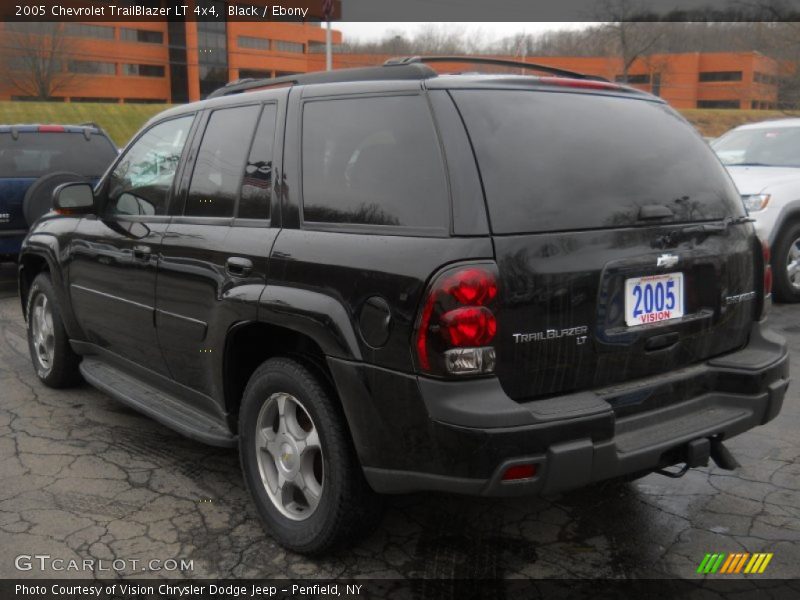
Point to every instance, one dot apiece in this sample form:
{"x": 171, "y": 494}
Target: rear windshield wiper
{"x": 673, "y": 237}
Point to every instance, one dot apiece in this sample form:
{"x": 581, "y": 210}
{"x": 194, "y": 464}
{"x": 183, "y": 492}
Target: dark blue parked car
{"x": 34, "y": 159}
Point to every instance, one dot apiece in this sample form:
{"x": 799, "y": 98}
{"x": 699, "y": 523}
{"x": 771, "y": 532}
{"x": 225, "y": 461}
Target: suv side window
{"x": 373, "y": 161}
{"x": 254, "y": 202}
{"x": 141, "y": 180}
{"x": 220, "y": 162}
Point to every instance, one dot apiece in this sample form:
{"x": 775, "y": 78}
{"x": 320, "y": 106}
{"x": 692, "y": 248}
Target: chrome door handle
{"x": 142, "y": 252}
{"x": 238, "y": 266}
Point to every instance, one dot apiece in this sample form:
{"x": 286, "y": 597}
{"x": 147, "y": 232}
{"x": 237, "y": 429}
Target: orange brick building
{"x": 746, "y": 80}
{"x": 172, "y": 61}
{"x": 180, "y": 61}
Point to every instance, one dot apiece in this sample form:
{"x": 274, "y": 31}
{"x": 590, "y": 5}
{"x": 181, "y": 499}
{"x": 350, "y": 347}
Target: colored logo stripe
{"x": 711, "y": 563}
{"x": 734, "y": 563}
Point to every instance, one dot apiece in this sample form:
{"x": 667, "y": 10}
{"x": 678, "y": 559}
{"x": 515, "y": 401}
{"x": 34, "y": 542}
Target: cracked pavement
{"x": 83, "y": 477}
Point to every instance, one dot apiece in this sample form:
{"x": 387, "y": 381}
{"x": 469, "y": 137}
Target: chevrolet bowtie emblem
{"x": 667, "y": 260}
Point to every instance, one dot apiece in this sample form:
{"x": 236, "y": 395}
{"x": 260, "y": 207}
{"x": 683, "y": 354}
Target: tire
{"x": 39, "y": 197}
{"x": 47, "y": 337}
{"x": 337, "y": 504}
{"x": 786, "y": 254}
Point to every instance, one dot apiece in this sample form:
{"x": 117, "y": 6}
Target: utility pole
{"x": 327, "y": 11}
{"x": 328, "y": 48}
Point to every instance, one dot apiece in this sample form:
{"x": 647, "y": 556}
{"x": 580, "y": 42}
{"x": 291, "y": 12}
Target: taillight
{"x": 50, "y": 129}
{"x": 456, "y": 325}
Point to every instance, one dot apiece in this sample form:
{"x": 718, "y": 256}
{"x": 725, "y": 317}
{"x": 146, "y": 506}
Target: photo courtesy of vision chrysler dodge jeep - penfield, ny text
{"x": 388, "y": 280}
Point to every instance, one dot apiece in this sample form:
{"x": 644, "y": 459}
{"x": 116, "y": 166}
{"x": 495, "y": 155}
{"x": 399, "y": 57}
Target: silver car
{"x": 764, "y": 161}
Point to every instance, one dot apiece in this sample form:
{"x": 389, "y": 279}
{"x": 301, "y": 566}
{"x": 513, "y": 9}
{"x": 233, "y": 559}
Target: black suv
{"x": 34, "y": 160}
{"x": 389, "y": 280}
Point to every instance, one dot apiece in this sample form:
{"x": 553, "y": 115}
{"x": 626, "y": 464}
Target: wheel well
{"x": 30, "y": 266}
{"x": 248, "y": 346}
{"x": 791, "y": 219}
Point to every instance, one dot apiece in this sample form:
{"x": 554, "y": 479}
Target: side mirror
{"x": 73, "y": 198}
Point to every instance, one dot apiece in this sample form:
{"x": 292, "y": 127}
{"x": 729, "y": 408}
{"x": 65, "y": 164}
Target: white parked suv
{"x": 764, "y": 162}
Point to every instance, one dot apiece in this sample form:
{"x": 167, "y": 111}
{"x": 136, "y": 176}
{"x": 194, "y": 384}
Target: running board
{"x": 164, "y": 408}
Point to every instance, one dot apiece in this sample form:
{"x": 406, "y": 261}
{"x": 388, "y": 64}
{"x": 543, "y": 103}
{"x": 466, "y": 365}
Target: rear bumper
{"x": 415, "y": 434}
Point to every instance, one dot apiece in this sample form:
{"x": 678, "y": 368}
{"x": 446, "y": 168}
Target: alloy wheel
{"x": 290, "y": 458}
{"x": 42, "y": 331}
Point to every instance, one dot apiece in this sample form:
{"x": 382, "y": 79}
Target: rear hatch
{"x": 620, "y": 240}
{"x": 29, "y": 151}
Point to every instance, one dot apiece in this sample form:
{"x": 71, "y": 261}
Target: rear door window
{"x": 566, "y": 161}
{"x": 373, "y": 161}
{"x": 220, "y": 163}
{"x": 34, "y": 153}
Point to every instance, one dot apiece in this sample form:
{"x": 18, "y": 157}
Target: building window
{"x": 212, "y": 49}
{"x": 99, "y": 32}
{"x": 765, "y": 78}
{"x": 31, "y": 27}
{"x": 285, "y": 73}
{"x": 252, "y": 43}
{"x": 319, "y": 48}
{"x": 143, "y": 70}
{"x": 144, "y": 36}
{"x": 144, "y": 100}
{"x": 640, "y": 79}
{"x": 718, "y": 104}
{"x": 90, "y": 67}
{"x": 710, "y": 76}
{"x": 254, "y": 74}
{"x": 284, "y": 46}
{"x": 93, "y": 99}
{"x": 36, "y": 99}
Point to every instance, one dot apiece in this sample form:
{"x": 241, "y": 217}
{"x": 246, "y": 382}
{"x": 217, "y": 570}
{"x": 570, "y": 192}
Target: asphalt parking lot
{"x": 83, "y": 477}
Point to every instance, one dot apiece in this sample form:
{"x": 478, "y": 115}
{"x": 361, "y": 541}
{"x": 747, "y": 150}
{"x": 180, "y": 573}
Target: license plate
{"x": 653, "y": 299}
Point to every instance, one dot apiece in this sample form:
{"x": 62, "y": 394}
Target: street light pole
{"x": 328, "y": 47}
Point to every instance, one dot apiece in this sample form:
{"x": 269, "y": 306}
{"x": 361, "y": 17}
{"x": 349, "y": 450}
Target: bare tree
{"x": 32, "y": 59}
{"x": 629, "y": 39}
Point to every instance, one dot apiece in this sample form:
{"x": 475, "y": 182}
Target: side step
{"x": 164, "y": 408}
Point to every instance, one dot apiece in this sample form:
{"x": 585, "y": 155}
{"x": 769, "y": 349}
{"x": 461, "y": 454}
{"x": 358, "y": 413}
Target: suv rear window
{"x": 373, "y": 161}
{"x": 33, "y": 154}
{"x": 565, "y": 161}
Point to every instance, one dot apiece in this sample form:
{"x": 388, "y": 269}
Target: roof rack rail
{"x": 501, "y": 62}
{"x": 410, "y": 71}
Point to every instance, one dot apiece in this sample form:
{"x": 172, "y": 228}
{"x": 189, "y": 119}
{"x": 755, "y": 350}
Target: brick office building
{"x": 172, "y": 61}
{"x": 746, "y": 80}
{"x": 180, "y": 61}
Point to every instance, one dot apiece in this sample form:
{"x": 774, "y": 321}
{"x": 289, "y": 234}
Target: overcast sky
{"x": 490, "y": 31}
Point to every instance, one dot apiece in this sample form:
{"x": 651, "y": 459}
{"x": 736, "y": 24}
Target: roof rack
{"x": 407, "y": 67}
{"x": 486, "y": 60}
{"x": 410, "y": 71}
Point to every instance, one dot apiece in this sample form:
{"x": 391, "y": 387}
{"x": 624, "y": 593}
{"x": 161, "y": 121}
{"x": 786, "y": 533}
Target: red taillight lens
{"x": 456, "y": 323}
{"x": 471, "y": 287}
{"x": 51, "y": 129}
{"x": 469, "y": 327}
{"x": 518, "y": 472}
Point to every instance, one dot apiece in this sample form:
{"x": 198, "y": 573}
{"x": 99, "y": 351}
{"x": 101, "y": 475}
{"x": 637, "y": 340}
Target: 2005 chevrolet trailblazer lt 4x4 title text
{"x": 353, "y": 276}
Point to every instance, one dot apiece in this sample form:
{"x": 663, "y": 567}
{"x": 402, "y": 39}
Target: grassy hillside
{"x": 121, "y": 121}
